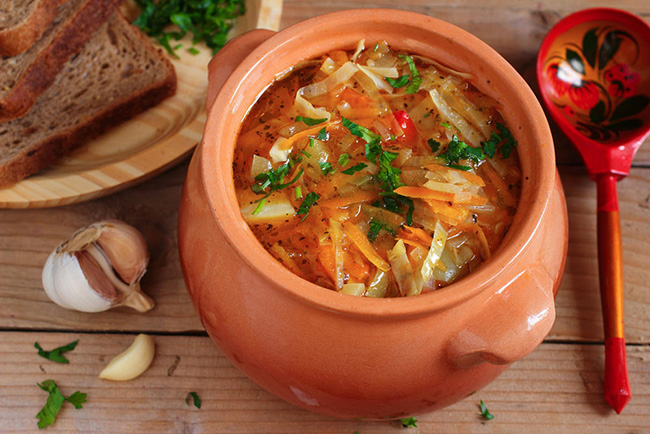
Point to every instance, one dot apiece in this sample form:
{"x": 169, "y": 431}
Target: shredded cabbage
{"x": 435, "y": 252}
{"x": 472, "y": 136}
{"x": 402, "y": 269}
{"x": 353, "y": 289}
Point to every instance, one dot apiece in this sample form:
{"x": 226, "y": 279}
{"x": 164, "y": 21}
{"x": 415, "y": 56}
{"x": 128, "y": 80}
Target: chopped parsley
{"x": 307, "y": 203}
{"x": 305, "y": 153}
{"x": 416, "y": 80}
{"x": 55, "y": 354}
{"x": 459, "y": 167}
{"x": 434, "y": 145}
{"x": 445, "y": 124}
{"x": 326, "y": 168}
{"x": 273, "y": 180}
{"x": 362, "y": 132}
{"x": 194, "y": 398}
{"x": 375, "y": 228}
{"x": 344, "y": 159}
{"x": 310, "y": 121}
{"x": 55, "y": 401}
{"x": 409, "y": 422}
{"x": 396, "y": 83}
{"x": 298, "y": 192}
{"x": 458, "y": 150}
{"x": 311, "y": 142}
{"x": 354, "y": 169}
{"x": 510, "y": 142}
{"x": 490, "y": 146}
{"x": 322, "y": 135}
{"x": 485, "y": 413}
{"x": 207, "y": 20}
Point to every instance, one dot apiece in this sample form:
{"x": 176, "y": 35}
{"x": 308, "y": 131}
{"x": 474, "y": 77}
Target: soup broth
{"x": 377, "y": 173}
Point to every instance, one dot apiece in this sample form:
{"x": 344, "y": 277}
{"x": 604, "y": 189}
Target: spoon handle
{"x": 610, "y": 270}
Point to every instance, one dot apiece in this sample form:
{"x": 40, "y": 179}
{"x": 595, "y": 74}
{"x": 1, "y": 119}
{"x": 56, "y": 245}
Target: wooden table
{"x": 556, "y": 388}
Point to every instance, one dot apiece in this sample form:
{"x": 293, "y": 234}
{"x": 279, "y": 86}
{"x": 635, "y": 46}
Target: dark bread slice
{"x": 26, "y": 76}
{"x": 22, "y": 22}
{"x": 117, "y": 74}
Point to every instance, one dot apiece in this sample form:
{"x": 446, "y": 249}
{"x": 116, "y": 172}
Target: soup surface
{"x": 377, "y": 173}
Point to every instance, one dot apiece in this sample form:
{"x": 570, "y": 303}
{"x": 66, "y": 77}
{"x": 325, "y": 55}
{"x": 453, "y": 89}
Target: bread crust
{"x": 18, "y": 39}
{"x": 37, "y": 157}
{"x": 43, "y": 70}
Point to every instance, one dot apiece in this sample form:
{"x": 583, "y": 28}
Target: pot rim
{"x": 219, "y": 186}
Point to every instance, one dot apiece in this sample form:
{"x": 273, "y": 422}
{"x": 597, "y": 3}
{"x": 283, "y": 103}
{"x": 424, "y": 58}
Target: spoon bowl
{"x": 593, "y": 70}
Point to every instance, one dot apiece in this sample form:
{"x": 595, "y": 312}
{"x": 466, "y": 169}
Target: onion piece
{"x": 377, "y": 79}
{"x": 357, "y": 289}
{"x": 360, "y": 46}
{"x": 259, "y": 165}
{"x": 343, "y": 74}
{"x": 402, "y": 269}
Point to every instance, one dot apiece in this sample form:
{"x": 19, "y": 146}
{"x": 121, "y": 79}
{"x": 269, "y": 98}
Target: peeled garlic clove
{"x": 100, "y": 267}
{"x": 132, "y": 362}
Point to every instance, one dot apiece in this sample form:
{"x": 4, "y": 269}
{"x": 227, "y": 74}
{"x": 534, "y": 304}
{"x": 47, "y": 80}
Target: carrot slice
{"x": 343, "y": 201}
{"x": 305, "y": 133}
{"x": 450, "y": 214}
{"x": 423, "y": 193}
{"x": 360, "y": 240}
{"x": 414, "y": 236}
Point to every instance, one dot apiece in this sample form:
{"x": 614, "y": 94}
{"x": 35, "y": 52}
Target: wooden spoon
{"x": 593, "y": 70}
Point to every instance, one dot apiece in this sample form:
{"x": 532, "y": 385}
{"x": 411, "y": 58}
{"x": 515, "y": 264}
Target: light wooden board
{"x": 143, "y": 146}
{"x": 27, "y": 237}
{"x": 555, "y": 389}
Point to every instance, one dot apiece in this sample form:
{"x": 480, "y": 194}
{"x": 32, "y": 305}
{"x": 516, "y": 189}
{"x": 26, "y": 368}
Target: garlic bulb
{"x": 100, "y": 267}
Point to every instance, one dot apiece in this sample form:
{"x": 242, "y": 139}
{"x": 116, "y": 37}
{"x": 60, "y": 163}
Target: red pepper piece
{"x": 406, "y": 124}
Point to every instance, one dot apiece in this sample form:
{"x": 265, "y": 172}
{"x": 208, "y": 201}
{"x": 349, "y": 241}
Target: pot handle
{"x": 519, "y": 318}
{"x": 229, "y": 57}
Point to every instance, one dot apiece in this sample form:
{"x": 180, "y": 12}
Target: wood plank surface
{"x": 556, "y": 389}
{"x": 27, "y": 237}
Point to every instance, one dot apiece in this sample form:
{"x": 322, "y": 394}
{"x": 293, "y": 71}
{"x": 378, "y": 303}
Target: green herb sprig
{"x": 55, "y": 401}
{"x": 55, "y": 354}
{"x": 485, "y": 413}
{"x": 416, "y": 79}
{"x": 310, "y": 121}
{"x": 409, "y": 422}
{"x": 306, "y": 204}
{"x": 193, "y": 397}
{"x": 206, "y": 20}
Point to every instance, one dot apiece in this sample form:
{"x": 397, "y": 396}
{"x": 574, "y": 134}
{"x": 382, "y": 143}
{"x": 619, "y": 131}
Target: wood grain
{"x": 557, "y": 388}
{"x": 26, "y": 239}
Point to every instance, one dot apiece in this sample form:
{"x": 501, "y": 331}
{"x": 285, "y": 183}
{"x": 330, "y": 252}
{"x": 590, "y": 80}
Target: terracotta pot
{"x": 355, "y": 357}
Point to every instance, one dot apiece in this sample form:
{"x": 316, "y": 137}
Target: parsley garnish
{"x": 459, "y": 150}
{"x": 273, "y": 180}
{"x": 55, "y": 401}
{"x": 206, "y": 20}
{"x": 396, "y": 83}
{"x": 490, "y": 146}
{"x": 510, "y": 144}
{"x": 305, "y": 153}
{"x": 434, "y": 145}
{"x": 310, "y": 121}
{"x": 408, "y": 422}
{"x": 323, "y": 135}
{"x": 326, "y": 168}
{"x": 344, "y": 159}
{"x": 298, "y": 192}
{"x": 485, "y": 413}
{"x": 359, "y": 131}
{"x": 55, "y": 354}
{"x": 445, "y": 124}
{"x": 193, "y": 396}
{"x": 307, "y": 203}
{"x": 459, "y": 167}
{"x": 375, "y": 228}
{"x": 416, "y": 80}
{"x": 354, "y": 169}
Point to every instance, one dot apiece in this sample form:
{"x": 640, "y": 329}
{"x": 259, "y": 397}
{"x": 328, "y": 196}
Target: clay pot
{"x": 349, "y": 356}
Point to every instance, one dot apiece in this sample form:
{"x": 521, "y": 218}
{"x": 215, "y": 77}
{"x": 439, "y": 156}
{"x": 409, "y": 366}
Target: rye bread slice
{"x": 22, "y": 22}
{"x": 26, "y": 76}
{"x": 117, "y": 74}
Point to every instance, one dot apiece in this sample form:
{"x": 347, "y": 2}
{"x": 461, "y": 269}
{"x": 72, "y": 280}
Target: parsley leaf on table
{"x": 194, "y": 397}
{"x": 55, "y": 354}
{"x": 485, "y": 413}
{"x": 408, "y": 422}
{"x": 55, "y": 401}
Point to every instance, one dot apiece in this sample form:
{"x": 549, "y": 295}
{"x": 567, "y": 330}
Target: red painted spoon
{"x": 593, "y": 70}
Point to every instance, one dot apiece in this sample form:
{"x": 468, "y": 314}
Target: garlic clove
{"x": 132, "y": 362}
{"x": 125, "y": 248}
{"x": 98, "y": 268}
